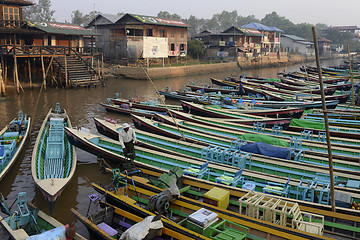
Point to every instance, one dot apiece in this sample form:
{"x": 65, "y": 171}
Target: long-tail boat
{"x": 12, "y": 140}
{"x": 187, "y": 207}
{"x": 54, "y": 159}
{"x": 151, "y": 105}
{"x": 27, "y": 220}
{"x": 151, "y": 168}
{"x": 109, "y": 222}
{"x": 127, "y": 110}
{"x": 111, "y": 150}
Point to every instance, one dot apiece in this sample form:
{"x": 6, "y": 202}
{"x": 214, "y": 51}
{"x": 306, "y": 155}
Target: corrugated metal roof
{"x": 294, "y": 37}
{"x": 62, "y": 28}
{"x": 159, "y": 21}
{"x": 261, "y": 27}
{"x": 111, "y": 17}
{"x": 18, "y": 2}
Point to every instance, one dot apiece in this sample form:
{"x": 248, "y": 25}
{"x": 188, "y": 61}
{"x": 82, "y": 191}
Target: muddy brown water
{"x": 82, "y": 106}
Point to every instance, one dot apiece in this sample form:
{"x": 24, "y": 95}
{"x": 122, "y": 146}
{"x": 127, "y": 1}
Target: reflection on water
{"x": 82, "y": 105}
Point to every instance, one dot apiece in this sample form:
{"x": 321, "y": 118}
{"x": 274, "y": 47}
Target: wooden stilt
{"x": 98, "y": 65}
{"x": 29, "y": 67}
{"x": 326, "y": 120}
{"x": 16, "y": 75}
{"x": 102, "y": 64}
{"x": 3, "y": 71}
{"x": 2, "y": 86}
{"x": 43, "y": 71}
{"x": 66, "y": 73}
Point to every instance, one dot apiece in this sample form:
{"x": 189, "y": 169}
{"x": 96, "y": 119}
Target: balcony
{"x": 13, "y": 24}
{"x": 29, "y": 50}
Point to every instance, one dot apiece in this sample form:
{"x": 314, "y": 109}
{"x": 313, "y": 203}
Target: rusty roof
{"x": 158, "y": 21}
{"x": 18, "y": 2}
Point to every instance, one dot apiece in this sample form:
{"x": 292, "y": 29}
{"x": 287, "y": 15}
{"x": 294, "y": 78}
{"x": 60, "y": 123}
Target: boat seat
{"x": 53, "y": 168}
{"x": 231, "y": 180}
{"x": 197, "y": 171}
{"x": 22, "y": 204}
{"x": 278, "y": 188}
{"x": 106, "y": 228}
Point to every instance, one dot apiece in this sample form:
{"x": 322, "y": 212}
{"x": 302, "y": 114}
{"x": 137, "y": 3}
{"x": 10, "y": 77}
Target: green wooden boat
{"x": 12, "y": 140}
{"x": 28, "y": 220}
{"x": 54, "y": 159}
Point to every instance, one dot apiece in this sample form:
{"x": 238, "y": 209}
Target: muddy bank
{"x": 243, "y": 63}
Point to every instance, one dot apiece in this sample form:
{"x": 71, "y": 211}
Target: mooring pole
{"x": 16, "y": 75}
{"x": 29, "y": 66}
{"x": 326, "y": 119}
{"x": 351, "y": 78}
{"x": 66, "y": 72}
{"x": 43, "y": 71}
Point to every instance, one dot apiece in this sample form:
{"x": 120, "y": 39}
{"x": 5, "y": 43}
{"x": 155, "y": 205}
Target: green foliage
{"x": 40, "y": 12}
{"x": 195, "y": 48}
{"x": 79, "y": 18}
{"x": 167, "y": 15}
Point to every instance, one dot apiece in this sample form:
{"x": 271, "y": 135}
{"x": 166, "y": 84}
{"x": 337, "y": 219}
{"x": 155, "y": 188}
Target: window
{"x": 11, "y": 13}
{"x": 172, "y": 47}
{"x": 149, "y": 32}
{"x": 162, "y": 33}
{"x": 173, "y": 34}
{"x": 182, "y": 47}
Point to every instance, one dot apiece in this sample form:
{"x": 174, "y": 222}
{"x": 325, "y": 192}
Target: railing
{"x": 93, "y": 71}
{"x": 13, "y": 24}
{"x": 39, "y": 50}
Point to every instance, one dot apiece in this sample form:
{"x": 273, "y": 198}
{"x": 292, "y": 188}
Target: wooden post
{"x": 29, "y": 68}
{"x": 66, "y": 72}
{"x": 326, "y": 120}
{"x": 163, "y": 60}
{"x": 2, "y": 86}
{"x": 43, "y": 71}
{"x": 16, "y": 75}
{"x": 92, "y": 62}
{"x": 102, "y": 64}
{"x": 351, "y": 78}
{"x": 98, "y": 64}
{"x": 147, "y": 62}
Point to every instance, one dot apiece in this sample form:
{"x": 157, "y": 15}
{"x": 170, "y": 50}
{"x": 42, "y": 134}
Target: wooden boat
{"x": 328, "y": 91}
{"x": 12, "y": 140}
{"x": 176, "y": 95}
{"x": 151, "y": 105}
{"x": 127, "y": 110}
{"x": 337, "y": 224}
{"x": 206, "y": 111}
{"x": 314, "y": 78}
{"x": 109, "y": 222}
{"x": 307, "y": 84}
{"x": 53, "y": 160}
{"x": 187, "y": 207}
{"x": 28, "y": 220}
{"x": 157, "y": 166}
{"x": 208, "y": 89}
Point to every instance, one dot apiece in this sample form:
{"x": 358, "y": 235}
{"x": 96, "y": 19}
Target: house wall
{"x": 2, "y": 5}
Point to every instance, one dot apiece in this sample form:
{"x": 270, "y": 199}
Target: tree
{"x": 77, "y": 17}
{"x": 195, "y": 48}
{"x": 273, "y": 19}
{"x": 40, "y": 12}
{"x": 167, "y": 15}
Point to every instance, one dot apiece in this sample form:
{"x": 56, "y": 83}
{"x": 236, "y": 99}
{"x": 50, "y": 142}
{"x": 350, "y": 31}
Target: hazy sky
{"x": 331, "y": 12}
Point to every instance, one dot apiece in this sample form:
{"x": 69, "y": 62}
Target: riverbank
{"x": 242, "y": 64}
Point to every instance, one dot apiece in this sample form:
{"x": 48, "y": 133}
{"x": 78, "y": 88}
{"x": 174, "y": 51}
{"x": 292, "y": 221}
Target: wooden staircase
{"x": 79, "y": 73}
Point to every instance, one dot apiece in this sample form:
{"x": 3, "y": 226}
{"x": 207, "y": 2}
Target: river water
{"x": 82, "y": 105}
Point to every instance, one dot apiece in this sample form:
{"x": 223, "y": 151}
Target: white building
{"x": 295, "y": 44}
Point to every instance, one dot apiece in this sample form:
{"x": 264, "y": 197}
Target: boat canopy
{"x": 254, "y": 137}
{"x": 307, "y": 124}
{"x": 267, "y": 150}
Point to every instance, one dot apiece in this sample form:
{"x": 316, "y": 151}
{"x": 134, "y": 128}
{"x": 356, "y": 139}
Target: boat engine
{"x": 160, "y": 202}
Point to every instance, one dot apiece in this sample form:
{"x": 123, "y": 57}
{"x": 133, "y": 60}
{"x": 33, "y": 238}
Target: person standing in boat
{"x": 127, "y": 140}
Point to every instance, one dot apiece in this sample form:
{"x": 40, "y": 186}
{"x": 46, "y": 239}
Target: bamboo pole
{"x": 5, "y": 71}
{"x": 66, "y": 73}
{"x": 29, "y": 68}
{"x": 351, "y": 78}
{"x": 98, "y": 65}
{"x": 102, "y": 64}
{"x": 43, "y": 71}
{"x": 326, "y": 120}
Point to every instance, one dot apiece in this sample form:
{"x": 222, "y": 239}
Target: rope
{"x": 36, "y": 105}
{"x": 157, "y": 92}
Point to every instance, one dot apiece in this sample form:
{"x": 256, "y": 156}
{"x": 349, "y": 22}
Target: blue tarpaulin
{"x": 267, "y": 150}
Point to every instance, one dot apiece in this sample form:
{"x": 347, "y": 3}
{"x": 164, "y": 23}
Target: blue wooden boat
{"x": 12, "y": 140}
{"x": 27, "y": 220}
{"x": 54, "y": 159}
